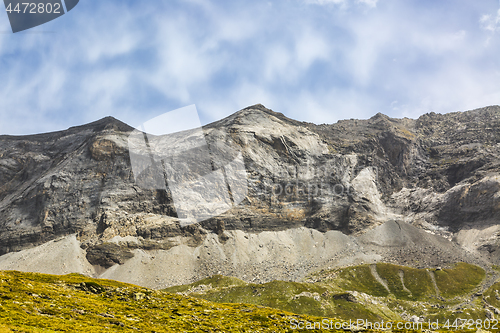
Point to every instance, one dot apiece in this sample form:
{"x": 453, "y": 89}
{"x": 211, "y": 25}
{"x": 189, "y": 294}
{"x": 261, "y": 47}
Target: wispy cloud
{"x": 491, "y": 22}
{"x": 344, "y": 3}
{"x": 314, "y": 63}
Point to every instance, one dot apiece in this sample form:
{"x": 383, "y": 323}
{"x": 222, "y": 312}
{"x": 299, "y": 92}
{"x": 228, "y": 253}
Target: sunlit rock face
{"x": 438, "y": 173}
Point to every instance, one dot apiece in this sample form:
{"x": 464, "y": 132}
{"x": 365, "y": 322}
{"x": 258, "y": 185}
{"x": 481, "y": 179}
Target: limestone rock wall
{"x": 439, "y": 173}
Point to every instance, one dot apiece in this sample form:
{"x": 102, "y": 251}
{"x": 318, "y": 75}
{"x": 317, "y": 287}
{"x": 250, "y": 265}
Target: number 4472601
{"x": 34, "y": 8}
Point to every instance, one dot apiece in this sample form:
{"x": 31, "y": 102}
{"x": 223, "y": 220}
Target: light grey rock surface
{"x": 415, "y": 192}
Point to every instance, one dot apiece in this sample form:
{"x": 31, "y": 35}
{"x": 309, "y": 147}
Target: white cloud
{"x": 286, "y": 62}
{"x": 311, "y": 46}
{"x": 490, "y": 22}
{"x": 278, "y": 64}
{"x": 325, "y": 2}
{"x": 369, "y": 3}
{"x": 344, "y": 3}
{"x": 329, "y": 106}
{"x": 313, "y": 63}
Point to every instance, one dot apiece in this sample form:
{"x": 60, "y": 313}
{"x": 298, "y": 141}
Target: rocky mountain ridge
{"x": 414, "y": 192}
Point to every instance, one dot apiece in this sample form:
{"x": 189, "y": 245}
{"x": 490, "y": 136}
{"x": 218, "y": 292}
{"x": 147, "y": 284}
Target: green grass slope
{"x": 358, "y": 278}
{"x": 460, "y": 280}
{"x": 32, "y": 302}
{"x": 75, "y": 303}
{"x": 407, "y": 283}
{"x": 356, "y": 293}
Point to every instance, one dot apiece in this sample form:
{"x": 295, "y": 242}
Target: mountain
{"x": 418, "y": 192}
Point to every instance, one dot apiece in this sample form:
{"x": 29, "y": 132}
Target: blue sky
{"x": 313, "y": 60}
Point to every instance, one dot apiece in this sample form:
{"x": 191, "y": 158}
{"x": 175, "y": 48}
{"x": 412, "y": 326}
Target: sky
{"x": 313, "y": 60}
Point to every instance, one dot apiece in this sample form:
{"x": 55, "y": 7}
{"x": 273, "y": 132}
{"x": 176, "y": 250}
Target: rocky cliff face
{"x": 316, "y": 195}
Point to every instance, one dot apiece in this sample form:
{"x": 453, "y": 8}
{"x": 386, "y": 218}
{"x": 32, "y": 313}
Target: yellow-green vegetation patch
{"x": 492, "y": 295}
{"x": 4, "y": 329}
{"x": 213, "y": 282}
{"x": 74, "y": 303}
{"x": 291, "y": 296}
{"x": 406, "y": 282}
{"x": 473, "y": 314}
{"x": 349, "y": 310}
{"x": 360, "y": 278}
{"x": 459, "y": 280}
{"x": 302, "y": 298}
{"x": 355, "y": 293}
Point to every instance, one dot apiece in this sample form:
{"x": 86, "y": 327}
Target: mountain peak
{"x": 105, "y": 123}
{"x": 379, "y": 115}
{"x": 257, "y": 106}
{"x": 253, "y": 114}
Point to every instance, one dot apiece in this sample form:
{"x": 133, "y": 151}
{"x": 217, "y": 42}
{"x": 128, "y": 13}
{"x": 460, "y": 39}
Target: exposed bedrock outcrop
{"x": 439, "y": 173}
